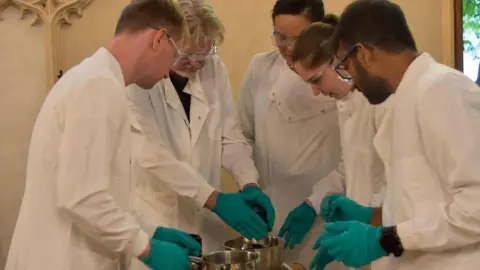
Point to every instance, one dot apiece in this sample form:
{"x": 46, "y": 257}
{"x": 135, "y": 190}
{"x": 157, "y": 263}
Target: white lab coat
{"x": 361, "y": 172}
{"x": 295, "y": 137}
{"x": 433, "y": 188}
{"x": 193, "y": 152}
{"x": 78, "y": 179}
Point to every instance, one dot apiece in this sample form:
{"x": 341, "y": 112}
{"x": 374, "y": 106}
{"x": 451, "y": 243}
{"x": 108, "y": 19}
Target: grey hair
{"x": 202, "y": 21}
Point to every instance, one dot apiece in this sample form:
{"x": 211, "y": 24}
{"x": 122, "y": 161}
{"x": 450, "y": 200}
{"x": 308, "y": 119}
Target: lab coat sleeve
{"x": 237, "y": 156}
{"x": 449, "y": 119}
{"x": 92, "y": 131}
{"x": 382, "y": 118}
{"x": 245, "y": 104}
{"x": 333, "y": 183}
{"x": 159, "y": 162}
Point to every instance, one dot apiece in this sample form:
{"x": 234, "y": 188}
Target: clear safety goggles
{"x": 280, "y": 40}
{"x": 198, "y": 57}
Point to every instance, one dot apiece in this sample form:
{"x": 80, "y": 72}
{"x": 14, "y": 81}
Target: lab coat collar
{"x": 414, "y": 72}
{"x": 294, "y": 98}
{"x": 193, "y": 87}
{"x": 172, "y": 98}
{"x": 348, "y": 104}
{"x": 113, "y": 65}
{"x": 199, "y": 108}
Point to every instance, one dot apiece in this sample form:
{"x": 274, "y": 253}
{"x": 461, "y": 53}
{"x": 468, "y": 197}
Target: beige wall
{"x": 22, "y": 67}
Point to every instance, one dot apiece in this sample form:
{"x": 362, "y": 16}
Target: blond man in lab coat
{"x": 192, "y": 118}
{"x": 431, "y": 216}
{"x": 74, "y": 213}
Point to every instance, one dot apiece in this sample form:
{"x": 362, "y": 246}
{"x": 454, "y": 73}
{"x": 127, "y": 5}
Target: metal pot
{"x": 225, "y": 260}
{"x": 270, "y": 250}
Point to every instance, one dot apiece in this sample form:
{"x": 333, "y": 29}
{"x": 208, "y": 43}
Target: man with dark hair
{"x": 431, "y": 216}
{"x": 74, "y": 213}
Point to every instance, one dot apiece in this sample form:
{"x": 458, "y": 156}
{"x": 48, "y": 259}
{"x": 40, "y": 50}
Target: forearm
{"x": 98, "y": 216}
{"x": 238, "y": 161}
{"x": 376, "y": 219}
{"x": 212, "y": 200}
{"x": 333, "y": 183}
{"x": 160, "y": 164}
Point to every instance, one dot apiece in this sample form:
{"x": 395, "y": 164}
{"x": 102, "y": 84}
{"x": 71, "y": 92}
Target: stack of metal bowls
{"x": 225, "y": 260}
{"x": 270, "y": 251}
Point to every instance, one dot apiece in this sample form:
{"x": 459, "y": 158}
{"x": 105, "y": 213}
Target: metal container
{"x": 196, "y": 263}
{"x": 270, "y": 250}
{"x": 225, "y": 260}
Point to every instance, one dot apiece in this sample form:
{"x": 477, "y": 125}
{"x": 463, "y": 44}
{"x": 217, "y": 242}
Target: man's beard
{"x": 374, "y": 88}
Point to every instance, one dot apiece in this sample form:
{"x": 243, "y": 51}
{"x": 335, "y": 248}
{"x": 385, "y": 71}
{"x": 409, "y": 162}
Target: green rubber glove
{"x": 340, "y": 208}
{"x": 297, "y": 224}
{"x": 263, "y": 201}
{"x": 234, "y": 209}
{"x": 178, "y": 237}
{"x": 354, "y": 243}
{"x": 322, "y": 258}
{"x": 167, "y": 256}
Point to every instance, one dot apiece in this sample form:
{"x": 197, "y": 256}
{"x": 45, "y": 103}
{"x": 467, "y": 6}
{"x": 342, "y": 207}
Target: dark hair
{"x": 141, "y": 14}
{"x": 378, "y": 23}
{"x": 313, "y": 10}
{"x": 312, "y": 47}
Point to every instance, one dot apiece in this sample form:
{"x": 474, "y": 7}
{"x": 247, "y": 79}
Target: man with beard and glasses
{"x": 431, "y": 214}
{"x": 360, "y": 175}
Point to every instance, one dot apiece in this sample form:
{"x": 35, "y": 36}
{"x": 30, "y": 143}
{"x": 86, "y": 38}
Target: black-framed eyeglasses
{"x": 340, "y": 68}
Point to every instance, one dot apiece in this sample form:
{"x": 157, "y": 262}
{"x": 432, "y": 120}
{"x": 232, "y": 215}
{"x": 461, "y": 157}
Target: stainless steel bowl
{"x": 230, "y": 260}
{"x": 270, "y": 250}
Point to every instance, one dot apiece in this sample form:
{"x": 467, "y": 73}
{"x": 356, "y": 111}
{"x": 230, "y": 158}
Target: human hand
{"x": 166, "y": 256}
{"x": 322, "y": 258}
{"x": 297, "y": 224}
{"x": 263, "y": 201}
{"x": 340, "y": 208}
{"x": 236, "y": 211}
{"x": 178, "y": 237}
{"x": 354, "y": 243}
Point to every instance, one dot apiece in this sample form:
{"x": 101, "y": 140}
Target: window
{"x": 467, "y": 37}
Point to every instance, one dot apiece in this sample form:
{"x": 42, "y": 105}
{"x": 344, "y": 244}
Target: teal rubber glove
{"x": 178, "y": 237}
{"x": 340, "y": 208}
{"x": 234, "y": 209}
{"x": 297, "y": 224}
{"x": 166, "y": 256}
{"x": 354, "y": 243}
{"x": 263, "y": 201}
{"x": 322, "y": 257}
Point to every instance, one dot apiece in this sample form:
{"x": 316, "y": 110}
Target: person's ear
{"x": 158, "y": 38}
{"x": 365, "y": 55}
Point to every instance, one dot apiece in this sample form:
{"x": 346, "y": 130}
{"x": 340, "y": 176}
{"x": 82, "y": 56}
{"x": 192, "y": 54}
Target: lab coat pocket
{"x": 214, "y": 123}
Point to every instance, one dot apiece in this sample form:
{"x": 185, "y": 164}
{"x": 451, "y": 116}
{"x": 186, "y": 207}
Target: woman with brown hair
{"x": 293, "y": 133}
{"x": 361, "y": 172}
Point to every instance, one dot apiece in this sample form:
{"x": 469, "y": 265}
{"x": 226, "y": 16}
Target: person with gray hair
{"x": 192, "y": 119}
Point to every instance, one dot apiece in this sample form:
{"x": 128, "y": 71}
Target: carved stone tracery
{"x": 52, "y": 14}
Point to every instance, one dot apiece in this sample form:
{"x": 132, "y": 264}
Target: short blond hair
{"x": 139, "y": 15}
{"x": 202, "y": 21}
